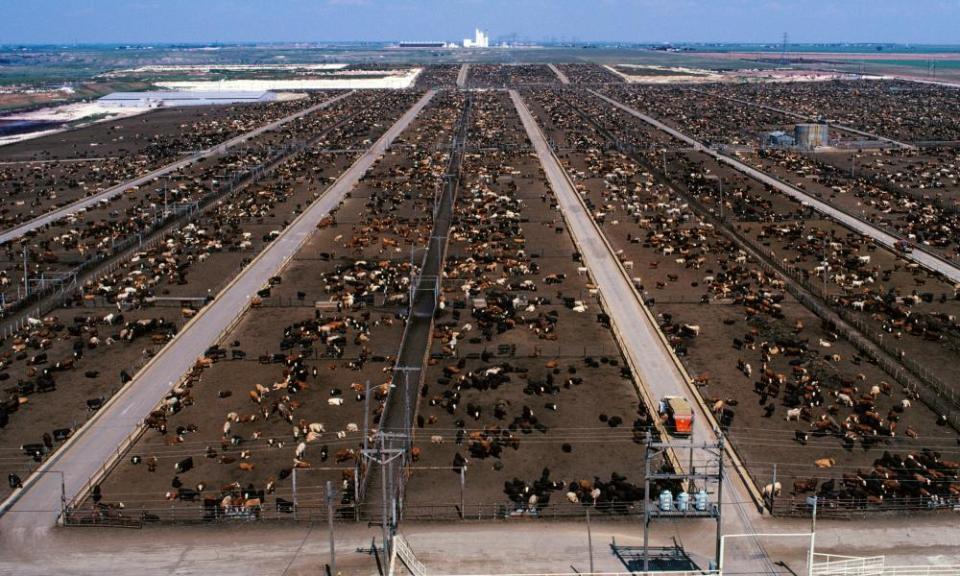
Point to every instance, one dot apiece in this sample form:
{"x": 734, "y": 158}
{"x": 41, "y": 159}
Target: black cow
{"x": 184, "y": 465}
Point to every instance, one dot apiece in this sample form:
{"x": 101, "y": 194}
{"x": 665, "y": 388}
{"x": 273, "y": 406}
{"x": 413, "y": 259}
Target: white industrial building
{"x": 480, "y": 40}
{"x": 184, "y": 98}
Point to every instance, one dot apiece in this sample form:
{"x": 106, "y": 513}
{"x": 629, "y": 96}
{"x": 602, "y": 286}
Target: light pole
{"x": 333, "y": 552}
{"x": 813, "y": 534}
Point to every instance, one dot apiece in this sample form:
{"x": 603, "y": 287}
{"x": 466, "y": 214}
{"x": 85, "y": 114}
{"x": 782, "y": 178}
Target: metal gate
{"x": 835, "y": 565}
{"x": 402, "y": 550}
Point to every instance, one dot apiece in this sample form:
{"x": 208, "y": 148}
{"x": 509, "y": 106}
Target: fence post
{"x": 295, "y": 494}
{"x": 773, "y": 486}
{"x": 462, "y": 482}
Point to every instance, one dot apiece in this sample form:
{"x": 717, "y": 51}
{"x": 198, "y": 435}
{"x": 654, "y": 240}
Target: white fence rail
{"x": 402, "y": 551}
{"x": 641, "y": 573}
{"x": 952, "y": 570}
{"x": 836, "y": 565}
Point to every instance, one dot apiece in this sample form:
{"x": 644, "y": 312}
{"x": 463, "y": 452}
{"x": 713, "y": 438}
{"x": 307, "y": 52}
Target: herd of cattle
{"x": 901, "y": 110}
{"x": 167, "y": 281}
{"x": 438, "y": 76}
{"x": 93, "y": 234}
{"x": 36, "y": 177}
{"x": 911, "y": 192}
{"x": 502, "y": 76}
{"x": 524, "y": 377}
{"x": 524, "y": 370}
{"x": 581, "y": 73}
{"x": 782, "y": 360}
{"x": 253, "y": 420}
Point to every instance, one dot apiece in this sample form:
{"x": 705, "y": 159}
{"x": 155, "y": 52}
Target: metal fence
{"x": 932, "y": 391}
{"x": 105, "y": 263}
{"x": 837, "y": 565}
{"x": 315, "y": 509}
{"x": 845, "y": 508}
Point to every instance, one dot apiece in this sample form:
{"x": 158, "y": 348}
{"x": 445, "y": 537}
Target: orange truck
{"x": 678, "y": 415}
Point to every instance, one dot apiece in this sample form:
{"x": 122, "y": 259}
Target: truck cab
{"x": 677, "y": 415}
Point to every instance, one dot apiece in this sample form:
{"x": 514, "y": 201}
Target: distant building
{"x": 425, "y": 45}
{"x": 480, "y": 40}
{"x": 809, "y": 136}
{"x": 183, "y": 98}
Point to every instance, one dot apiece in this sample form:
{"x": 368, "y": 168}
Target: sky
{"x": 202, "y": 21}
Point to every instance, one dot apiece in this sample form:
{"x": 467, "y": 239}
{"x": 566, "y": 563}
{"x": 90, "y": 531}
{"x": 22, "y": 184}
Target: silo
{"x": 811, "y": 136}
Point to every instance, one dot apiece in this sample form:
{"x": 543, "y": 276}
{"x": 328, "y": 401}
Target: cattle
{"x": 771, "y": 490}
{"x": 805, "y": 485}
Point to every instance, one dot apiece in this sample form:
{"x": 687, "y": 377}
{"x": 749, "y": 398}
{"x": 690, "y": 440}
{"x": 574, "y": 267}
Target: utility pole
{"x": 366, "y": 415}
{"x": 383, "y": 503}
{"x": 295, "y": 493}
{"x": 333, "y": 552}
{"x": 590, "y": 540}
{"x": 720, "y": 181}
{"x": 783, "y": 52}
{"x": 384, "y": 457}
{"x": 26, "y": 274}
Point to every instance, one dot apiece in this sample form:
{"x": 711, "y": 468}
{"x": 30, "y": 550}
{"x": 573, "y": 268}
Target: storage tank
{"x": 701, "y": 500}
{"x": 666, "y": 501}
{"x": 811, "y": 136}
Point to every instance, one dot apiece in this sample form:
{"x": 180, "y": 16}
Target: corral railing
{"x": 402, "y": 551}
{"x": 951, "y": 570}
{"x": 837, "y": 565}
{"x": 853, "y": 507}
{"x": 103, "y": 517}
{"x": 201, "y": 513}
{"x": 314, "y": 508}
{"x": 634, "y": 573}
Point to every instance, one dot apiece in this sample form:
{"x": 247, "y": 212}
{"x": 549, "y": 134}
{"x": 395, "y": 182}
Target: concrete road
{"x": 501, "y": 547}
{"x": 35, "y": 508}
{"x": 462, "y": 75}
{"x": 109, "y": 193}
{"x": 563, "y": 77}
{"x": 926, "y": 259}
{"x": 657, "y": 369}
